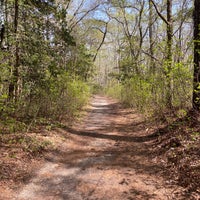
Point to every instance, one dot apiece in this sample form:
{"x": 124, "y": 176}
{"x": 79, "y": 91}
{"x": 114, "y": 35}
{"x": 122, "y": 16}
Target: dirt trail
{"x": 106, "y": 158}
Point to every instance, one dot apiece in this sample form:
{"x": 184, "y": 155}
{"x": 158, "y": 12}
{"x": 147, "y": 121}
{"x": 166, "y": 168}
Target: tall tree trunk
{"x": 152, "y": 67}
{"x": 13, "y": 87}
{"x": 2, "y": 24}
{"x": 168, "y": 71}
{"x": 6, "y": 24}
{"x": 196, "y": 91}
{"x": 169, "y": 53}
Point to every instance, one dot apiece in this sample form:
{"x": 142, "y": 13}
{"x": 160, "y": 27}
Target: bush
{"x": 59, "y": 97}
{"x": 148, "y": 92}
{"x": 114, "y": 89}
{"x": 96, "y": 88}
{"x": 136, "y": 92}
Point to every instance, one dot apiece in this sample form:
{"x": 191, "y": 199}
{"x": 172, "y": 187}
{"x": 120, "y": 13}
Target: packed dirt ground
{"x": 111, "y": 154}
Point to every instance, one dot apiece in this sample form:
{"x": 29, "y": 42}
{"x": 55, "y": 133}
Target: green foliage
{"x": 60, "y": 96}
{"x": 68, "y": 96}
{"x": 28, "y": 143}
{"x": 33, "y": 145}
{"x": 67, "y": 37}
{"x": 81, "y": 63}
{"x": 54, "y": 66}
{"x": 96, "y": 88}
{"x": 126, "y": 69}
{"x": 182, "y": 85}
{"x": 147, "y": 92}
{"x": 11, "y": 125}
{"x": 195, "y": 136}
{"x": 136, "y": 93}
{"x": 114, "y": 89}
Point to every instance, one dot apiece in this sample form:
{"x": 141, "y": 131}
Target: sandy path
{"x": 105, "y": 158}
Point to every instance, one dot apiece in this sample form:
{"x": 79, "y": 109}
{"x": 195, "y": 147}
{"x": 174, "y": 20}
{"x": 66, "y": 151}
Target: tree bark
{"x": 2, "y": 28}
{"x": 152, "y": 67}
{"x": 196, "y": 86}
{"x": 13, "y": 87}
{"x": 169, "y": 23}
{"x": 102, "y": 42}
{"x": 169, "y": 53}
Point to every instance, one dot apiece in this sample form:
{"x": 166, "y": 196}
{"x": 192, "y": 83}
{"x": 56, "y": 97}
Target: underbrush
{"x": 19, "y": 152}
{"x": 64, "y": 97}
{"x": 28, "y": 143}
{"x": 26, "y": 124}
{"x": 96, "y": 88}
{"x": 114, "y": 90}
{"x": 177, "y": 147}
{"x": 61, "y": 98}
{"x": 148, "y": 95}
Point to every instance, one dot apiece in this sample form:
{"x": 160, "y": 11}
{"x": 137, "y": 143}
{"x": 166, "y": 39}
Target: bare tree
{"x": 80, "y": 13}
{"x": 134, "y": 31}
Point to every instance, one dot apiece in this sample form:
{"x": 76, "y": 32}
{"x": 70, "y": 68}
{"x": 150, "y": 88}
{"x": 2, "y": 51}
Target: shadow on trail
{"x": 127, "y": 157}
{"x": 77, "y": 173}
{"x": 122, "y": 156}
{"x": 97, "y": 134}
{"x": 86, "y": 162}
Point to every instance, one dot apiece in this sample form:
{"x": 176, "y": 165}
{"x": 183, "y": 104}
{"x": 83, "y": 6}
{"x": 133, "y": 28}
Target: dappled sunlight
{"x": 106, "y": 157}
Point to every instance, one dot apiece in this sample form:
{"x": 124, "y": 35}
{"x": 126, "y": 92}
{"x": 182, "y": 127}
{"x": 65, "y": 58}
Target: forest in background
{"x": 55, "y": 53}
{"x": 154, "y": 72}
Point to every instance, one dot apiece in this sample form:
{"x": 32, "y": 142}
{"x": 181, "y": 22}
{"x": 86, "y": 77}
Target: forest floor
{"x": 111, "y": 154}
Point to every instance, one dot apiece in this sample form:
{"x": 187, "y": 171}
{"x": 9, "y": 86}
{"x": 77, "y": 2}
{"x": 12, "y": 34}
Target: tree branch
{"x": 103, "y": 39}
{"x": 159, "y": 13}
{"x": 153, "y": 57}
{"x": 86, "y": 13}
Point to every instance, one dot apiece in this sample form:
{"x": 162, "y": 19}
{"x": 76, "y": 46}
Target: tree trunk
{"x": 196, "y": 86}
{"x": 2, "y": 24}
{"x": 169, "y": 53}
{"x": 152, "y": 67}
{"x": 13, "y": 87}
{"x": 168, "y": 70}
